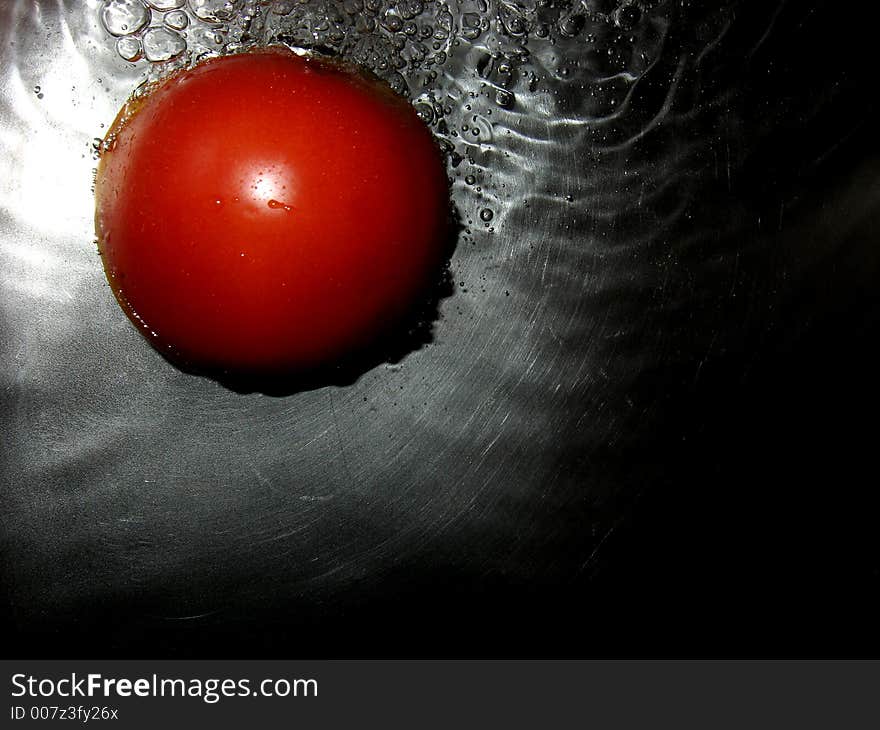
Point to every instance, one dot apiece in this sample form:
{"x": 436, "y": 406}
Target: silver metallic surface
{"x": 623, "y": 261}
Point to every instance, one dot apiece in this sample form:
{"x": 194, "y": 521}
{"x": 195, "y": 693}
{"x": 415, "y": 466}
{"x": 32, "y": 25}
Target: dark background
{"x": 741, "y": 519}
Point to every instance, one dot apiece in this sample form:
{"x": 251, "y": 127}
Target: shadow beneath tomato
{"x": 413, "y": 332}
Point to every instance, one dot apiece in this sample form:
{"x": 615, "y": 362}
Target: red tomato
{"x": 266, "y": 213}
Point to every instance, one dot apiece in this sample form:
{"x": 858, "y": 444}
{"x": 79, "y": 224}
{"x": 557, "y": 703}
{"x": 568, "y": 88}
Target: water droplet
{"x": 278, "y": 205}
{"x": 166, "y": 4}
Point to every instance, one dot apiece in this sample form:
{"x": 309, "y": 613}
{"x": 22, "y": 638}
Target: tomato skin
{"x": 266, "y": 212}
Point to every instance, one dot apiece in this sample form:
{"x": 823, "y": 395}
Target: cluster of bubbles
{"x": 150, "y": 30}
{"x": 407, "y": 42}
{"x": 457, "y": 60}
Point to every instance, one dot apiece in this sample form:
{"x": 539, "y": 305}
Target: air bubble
{"x": 123, "y": 17}
{"x": 601, "y": 6}
{"x": 504, "y": 98}
{"x": 471, "y": 26}
{"x": 205, "y": 36}
{"x": 283, "y": 7}
{"x": 512, "y": 20}
{"x": 516, "y": 25}
{"x": 214, "y": 11}
{"x": 176, "y": 20}
{"x": 470, "y": 179}
{"x": 628, "y": 16}
{"x": 129, "y": 48}
{"x": 410, "y": 8}
{"x": 486, "y": 215}
{"x": 161, "y": 44}
{"x": 396, "y": 82}
{"x": 482, "y": 128}
{"x": 425, "y": 112}
{"x": 572, "y": 25}
{"x": 365, "y": 24}
{"x": 166, "y": 4}
{"x": 391, "y": 22}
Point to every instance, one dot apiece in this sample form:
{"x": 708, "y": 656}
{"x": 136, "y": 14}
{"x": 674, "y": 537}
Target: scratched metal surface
{"x": 636, "y": 411}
